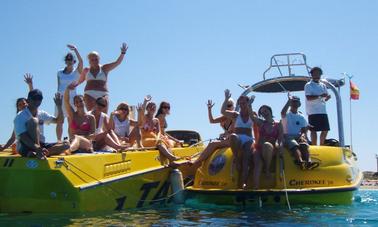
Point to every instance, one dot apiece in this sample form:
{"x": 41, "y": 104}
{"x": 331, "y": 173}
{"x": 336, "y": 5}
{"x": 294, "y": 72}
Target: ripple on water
{"x": 362, "y": 212}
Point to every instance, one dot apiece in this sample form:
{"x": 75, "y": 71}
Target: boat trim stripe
{"x": 115, "y": 179}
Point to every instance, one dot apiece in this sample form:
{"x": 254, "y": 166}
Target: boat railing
{"x": 286, "y": 62}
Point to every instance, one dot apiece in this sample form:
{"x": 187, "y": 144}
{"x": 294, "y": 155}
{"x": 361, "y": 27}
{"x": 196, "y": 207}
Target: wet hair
{"x": 316, "y": 69}
{"x": 18, "y": 101}
{"x": 267, "y": 107}
{"x": 160, "y": 110}
{"x": 70, "y": 56}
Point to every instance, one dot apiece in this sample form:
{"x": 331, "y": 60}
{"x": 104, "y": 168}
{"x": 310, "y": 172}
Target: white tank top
{"x": 67, "y": 79}
{"x": 241, "y": 124}
{"x": 121, "y": 128}
{"x": 100, "y": 126}
{"x": 100, "y": 75}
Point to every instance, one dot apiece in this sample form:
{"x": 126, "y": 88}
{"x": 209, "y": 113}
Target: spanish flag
{"x": 354, "y": 91}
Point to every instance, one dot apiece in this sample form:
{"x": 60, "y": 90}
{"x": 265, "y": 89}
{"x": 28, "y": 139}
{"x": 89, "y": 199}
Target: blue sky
{"x": 189, "y": 51}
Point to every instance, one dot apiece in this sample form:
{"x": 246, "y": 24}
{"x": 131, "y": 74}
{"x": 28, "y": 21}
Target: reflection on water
{"x": 363, "y": 211}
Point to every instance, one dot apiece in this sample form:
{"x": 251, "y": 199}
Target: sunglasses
{"x": 124, "y": 109}
{"x": 229, "y": 105}
{"x": 166, "y": 107}
{"x": 101, "y": 104}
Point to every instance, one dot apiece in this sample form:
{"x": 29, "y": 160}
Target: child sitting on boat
{"x": 295, "y": 129}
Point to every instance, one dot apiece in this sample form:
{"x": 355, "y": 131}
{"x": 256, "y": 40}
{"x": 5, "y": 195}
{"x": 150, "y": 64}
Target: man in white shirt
{"x": 28, "y": 127}
{"x": 295, "y": 129}
{"x": 316, "y": 98}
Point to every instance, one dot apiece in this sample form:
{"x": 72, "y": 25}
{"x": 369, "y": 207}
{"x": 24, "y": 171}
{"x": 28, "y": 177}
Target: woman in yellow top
{"x": 150, "y": 129}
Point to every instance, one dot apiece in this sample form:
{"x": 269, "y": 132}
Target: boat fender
{"x": 177, "y": 184}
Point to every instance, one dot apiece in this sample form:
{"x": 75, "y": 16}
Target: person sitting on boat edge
{"x": 65, "y": 77}
{"x": 316, "y": 97}
{"x": 21, "y": 103}
{"x": 96, "y": 77}
{"x": 105, "y": 137}
{"x": 28, "y": 127}
{"x": 294, "y": 129}
{"x": 150, "y": 130}
{"x": 81, "y": 125}
{"x": 241, "y": 140}
{"x": 270, "y": 136}
{"x": 163, "y": 111}
{"x": 121, "y": 123}
{"x": 223, "y": 141}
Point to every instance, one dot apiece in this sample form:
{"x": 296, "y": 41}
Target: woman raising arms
{"x": 96, "y": 77}
{"x": 81, "y": 125}
{"x": 150, "y": 129}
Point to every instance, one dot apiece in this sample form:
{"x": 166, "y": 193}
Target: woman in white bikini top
{"x": 241, "y": 140}
{"x": 96, "y": 77}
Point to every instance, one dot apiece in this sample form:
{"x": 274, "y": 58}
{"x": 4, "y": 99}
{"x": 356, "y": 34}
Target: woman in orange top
{"x": 150, "y": 129}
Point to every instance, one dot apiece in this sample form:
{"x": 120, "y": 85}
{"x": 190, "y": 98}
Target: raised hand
{"x": 72, "y": 85}
{"x": 147, "y": 98}
{"x": 28, "y": 78}
{"x": 58, "y": 99}
{"x": 251, "y": 99}
{"x": 72, "y": 47}
{"x": 139, "y": 107}
{"x": 227, "y": 94}
{"x": 210, "y": 104}
{"x": 124, "y": 48}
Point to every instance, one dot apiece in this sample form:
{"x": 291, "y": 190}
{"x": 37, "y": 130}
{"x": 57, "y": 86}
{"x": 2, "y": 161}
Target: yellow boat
{"x": 89, "y": 182}
{"x": 333, "y": 182}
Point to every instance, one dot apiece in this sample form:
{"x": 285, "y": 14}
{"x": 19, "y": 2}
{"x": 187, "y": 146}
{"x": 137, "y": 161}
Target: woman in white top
{"x": 121, "y": 123}
{"x": 104, "y": 134}
{"x": 96, "y": 77}
{"x": 241, "y": 139}
{"x": 65, "y": 77}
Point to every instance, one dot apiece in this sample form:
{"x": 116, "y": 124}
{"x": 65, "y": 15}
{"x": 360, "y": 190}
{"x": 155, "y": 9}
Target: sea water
{"x": 363, "y": 211}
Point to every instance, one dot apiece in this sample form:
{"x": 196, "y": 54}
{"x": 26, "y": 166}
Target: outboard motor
{"x": 177, "y": 184}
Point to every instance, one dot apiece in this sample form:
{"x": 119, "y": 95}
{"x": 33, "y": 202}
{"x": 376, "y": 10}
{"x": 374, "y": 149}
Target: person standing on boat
{"x": 65, "y": 77}
{"x": 28, "y": 127}
{"x": 316, "y": 98}
{"x": 96, "y": 77}
{"x": 241, "y": 140}
{"x": 294, "y": 129}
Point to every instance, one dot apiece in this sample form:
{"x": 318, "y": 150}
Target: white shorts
{"x": 244, "y": 139}
{"x": 96, "y": 94}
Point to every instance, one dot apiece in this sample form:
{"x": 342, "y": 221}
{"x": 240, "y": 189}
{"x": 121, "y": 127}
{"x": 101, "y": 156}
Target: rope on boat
{"x": 286, "y": 194}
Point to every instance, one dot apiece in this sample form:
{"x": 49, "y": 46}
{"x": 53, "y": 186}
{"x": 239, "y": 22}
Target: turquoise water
{"x": 364, "y": 211}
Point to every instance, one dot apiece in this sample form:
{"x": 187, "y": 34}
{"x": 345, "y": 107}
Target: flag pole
{"x": 350, "y": 113}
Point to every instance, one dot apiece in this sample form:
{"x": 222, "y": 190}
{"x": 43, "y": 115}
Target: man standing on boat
{"x": 316, "y": 98}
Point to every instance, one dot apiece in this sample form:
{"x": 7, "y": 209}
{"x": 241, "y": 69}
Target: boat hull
{"x": 86, "y": 183}
{"x": 333, "y": 182}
